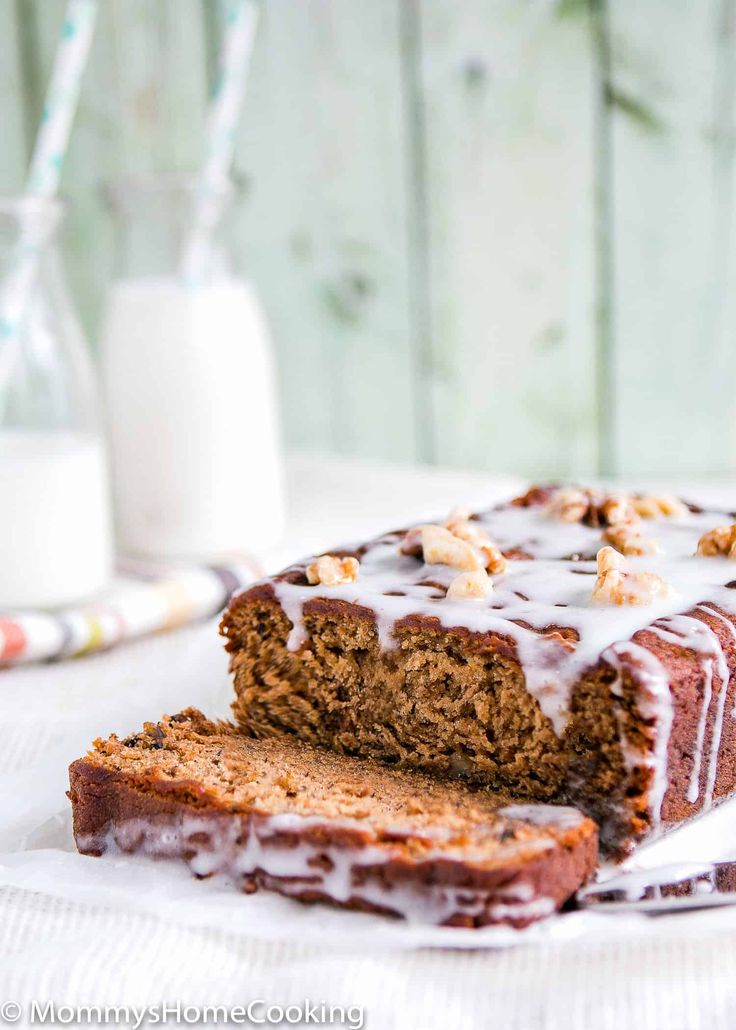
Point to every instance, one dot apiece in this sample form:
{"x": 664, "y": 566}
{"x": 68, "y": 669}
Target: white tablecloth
{"x": 56, "y": 945}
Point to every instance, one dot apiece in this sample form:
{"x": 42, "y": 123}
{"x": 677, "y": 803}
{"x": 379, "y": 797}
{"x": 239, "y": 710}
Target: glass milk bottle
{"x": 55, "y": 536}
{"x": 190, "y": 387}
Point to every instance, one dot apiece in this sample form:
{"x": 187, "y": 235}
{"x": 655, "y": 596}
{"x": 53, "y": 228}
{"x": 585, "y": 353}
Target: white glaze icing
{"x": 693, "y": 790}
{"x": 551, "y": 589}
{"x": 654, "y": 702}
{"x": 724, "y": 672}
{"x": 685, "y": 631}
{"x": 237, "y": 846}
{"x": 695, "y": 635}
{"x": 634, "y": 885}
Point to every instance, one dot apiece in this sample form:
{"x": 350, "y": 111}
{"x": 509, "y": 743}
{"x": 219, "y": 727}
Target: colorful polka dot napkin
{"x": 144, "y": 598}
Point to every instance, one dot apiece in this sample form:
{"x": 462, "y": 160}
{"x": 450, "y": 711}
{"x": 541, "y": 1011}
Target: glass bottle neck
{"x": 156, "y": 222}
{"x": 46, "y": 379}
{"x": 28, "y": 231}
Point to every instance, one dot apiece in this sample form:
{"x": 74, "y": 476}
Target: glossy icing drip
{"x": 693, "y": 790}
{"x": 731, "y": 629}
{"x": 654, "y": 702}
{"x": 692, "y": 633}
{"x": 634, "y": 885}
{"x": 724, "y": 672}
{"x": 238, "y": 846}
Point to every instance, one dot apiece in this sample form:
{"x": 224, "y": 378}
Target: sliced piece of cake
{"x": 572, "y": 646}
{"x": 318, "y": 826}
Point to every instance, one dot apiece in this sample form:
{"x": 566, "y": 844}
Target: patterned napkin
{"x": 144, "y": 598}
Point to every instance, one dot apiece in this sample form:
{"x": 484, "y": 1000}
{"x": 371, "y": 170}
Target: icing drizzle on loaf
{"x": 542, "y": 604}
{"x": 278, "y": 850}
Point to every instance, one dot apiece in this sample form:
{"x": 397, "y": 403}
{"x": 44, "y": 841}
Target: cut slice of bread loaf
{"x": 319, "y": 826}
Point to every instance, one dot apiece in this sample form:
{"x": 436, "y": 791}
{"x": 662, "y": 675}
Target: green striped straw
{"x": 241, "y": 20}
{"x": 46, "y": 163}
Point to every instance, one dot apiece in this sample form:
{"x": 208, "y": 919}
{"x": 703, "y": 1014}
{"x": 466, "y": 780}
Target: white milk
{"x": 55, "y": 539}
{"x": 191, "y": 401}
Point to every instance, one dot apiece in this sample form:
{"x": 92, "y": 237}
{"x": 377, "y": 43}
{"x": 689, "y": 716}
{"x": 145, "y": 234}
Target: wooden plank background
{"x": 494, "y": 234}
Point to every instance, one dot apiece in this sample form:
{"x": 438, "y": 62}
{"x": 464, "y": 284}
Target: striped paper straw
{"x": 61, "y": 98}
{"x": 241, "y": 20}
{"x": 47, "y": 160}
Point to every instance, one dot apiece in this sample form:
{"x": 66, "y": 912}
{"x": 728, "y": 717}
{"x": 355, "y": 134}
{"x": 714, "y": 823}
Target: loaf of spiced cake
{"x": 569, "y": 646}
{"x": 313, "y": 825}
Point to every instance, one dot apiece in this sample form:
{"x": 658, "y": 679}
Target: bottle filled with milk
{"x": 55, "y": 532}
{"x": 190, "y": 386}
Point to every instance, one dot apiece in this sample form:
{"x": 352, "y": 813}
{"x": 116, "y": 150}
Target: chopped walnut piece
{"x": 591, "y": 507}
{"x": 617, "y": 584}
{"x": 456, "y": 516}
{"x": 470, "y": 584}
{"x": 609, "y": 560}
{"x": 476, "y": 550}
{"x": 332, "y": 572}
{"x": 626, "y": 537}
{"x": 441, "y": 547}
{"x": 594, "y": 508}
{"x": 411, "y": 543}
{"x": 568, "y": 505}
{"x": 718, "y": 542}
{"x": 460, "y": 526}
{"x": 652, "y": 506}
{"x": 616, "y": 509}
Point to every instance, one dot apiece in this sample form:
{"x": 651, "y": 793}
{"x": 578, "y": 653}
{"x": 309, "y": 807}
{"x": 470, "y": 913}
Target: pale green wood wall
{"x": 494, "y": 233}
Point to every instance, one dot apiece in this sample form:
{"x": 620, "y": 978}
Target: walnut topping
{"x": 460, "y": 543}
{"x": 718, "y": 542}
{"x": 616, "y": 509}
{"x": 470, "y": 584}
{"x": 617, "y": 584}
{"x": 568, "y": 505}
{"x": 457, "y": 516}
{"x": 626, "y": 538}
{"x": 441, "y": 547}
{"x": 332, "y": 572}
{"x": 412, "y": 542}
{"x": 594, "y": 508}
{"x": 651, "y": 506}
{"x": 460, "y": 526}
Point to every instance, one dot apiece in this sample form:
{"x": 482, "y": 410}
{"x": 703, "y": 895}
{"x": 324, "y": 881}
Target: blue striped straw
{"x": 241, "y": 20}
{"x": 45, "y": 169}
